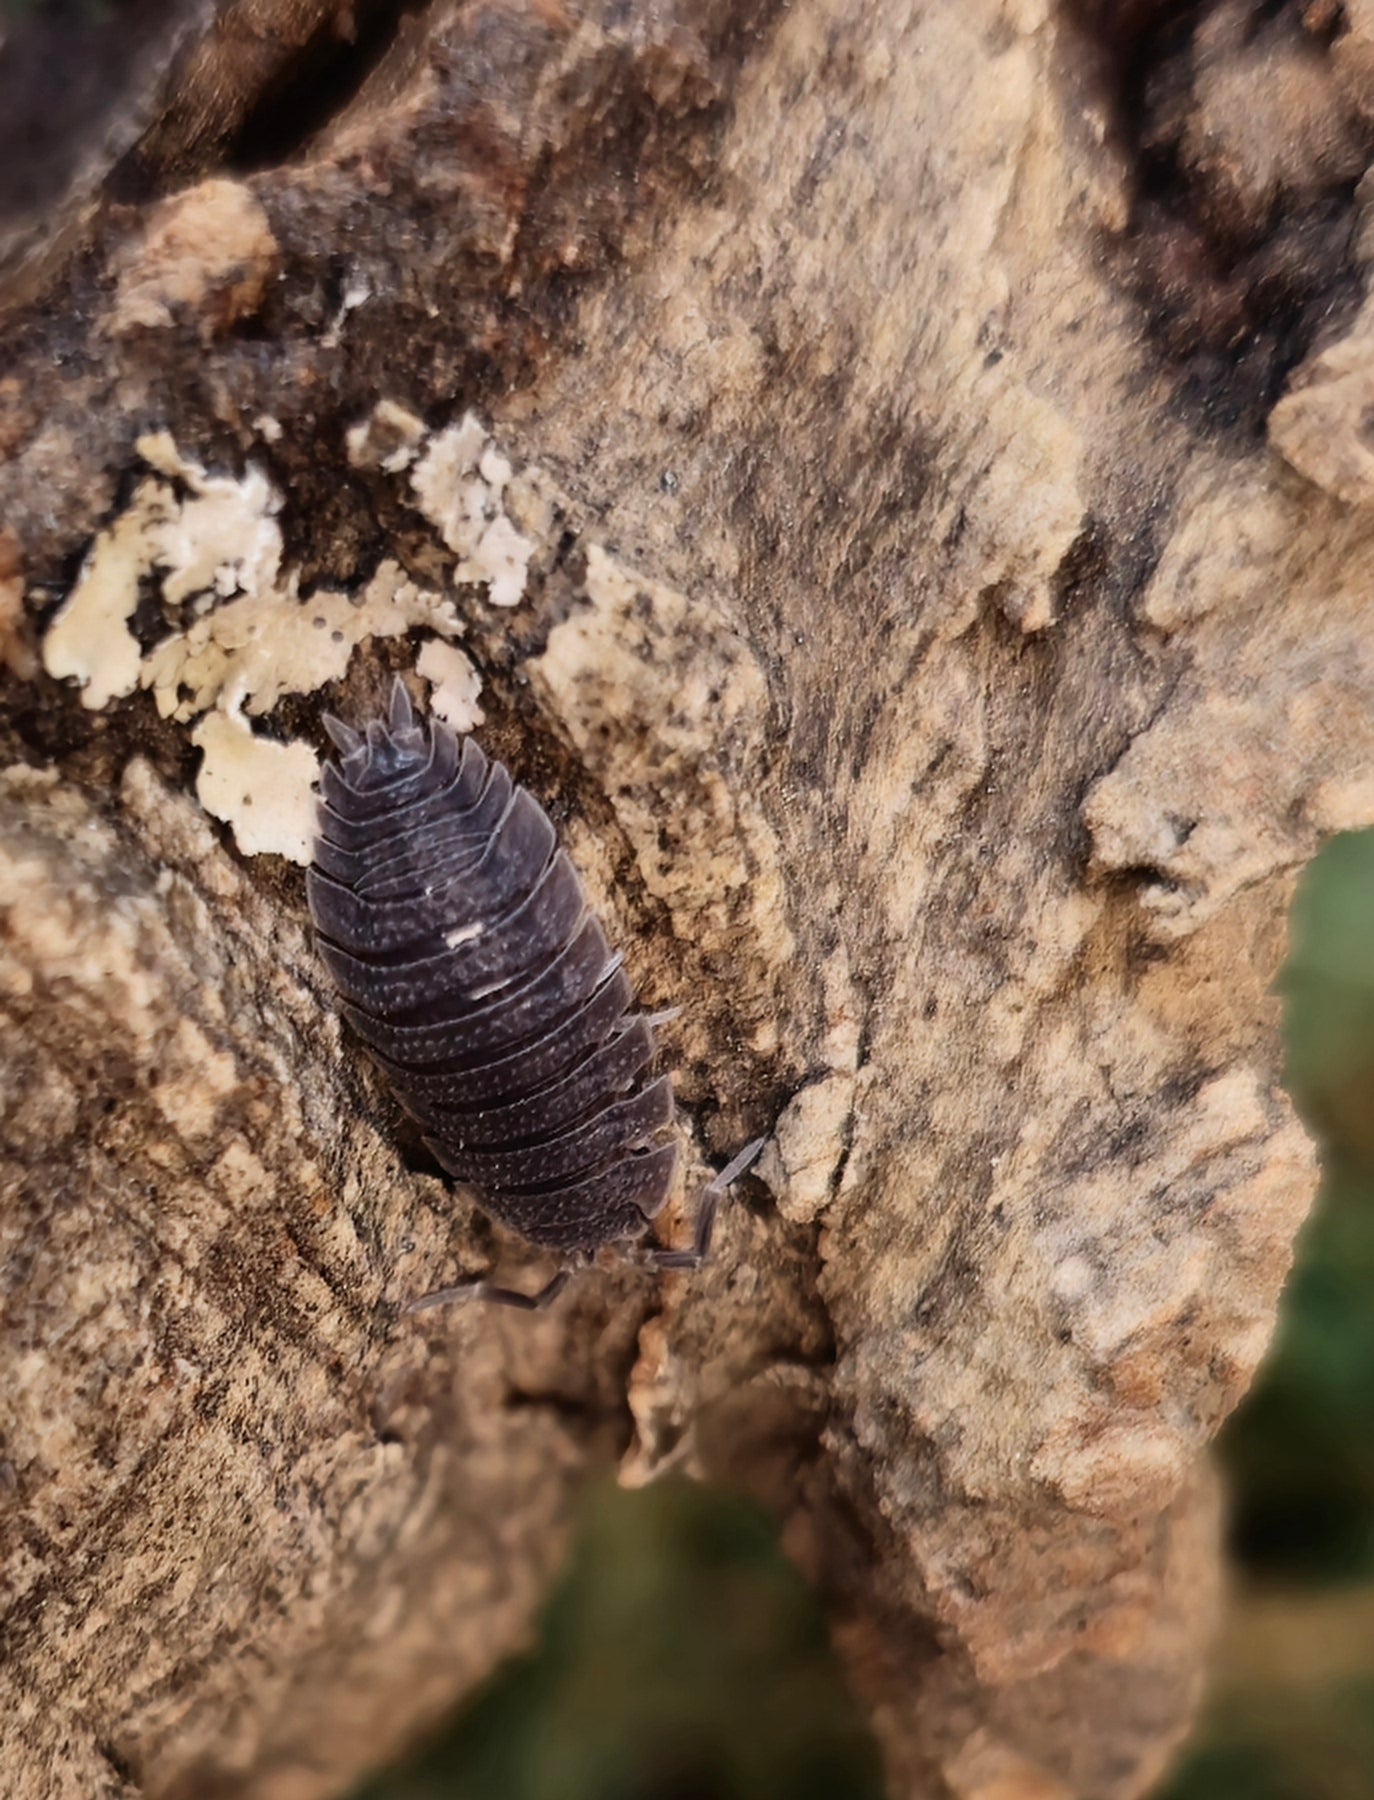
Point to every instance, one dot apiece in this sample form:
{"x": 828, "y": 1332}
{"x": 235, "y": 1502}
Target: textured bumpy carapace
{"x": 460, "y": 938}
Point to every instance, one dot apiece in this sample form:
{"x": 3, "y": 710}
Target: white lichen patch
{"x": 252, "y": 651}
{"x": 221, "y": 539}
{"x": 460, "y": 486}
{"x": 239, "y": 636}
{"x": 263, "y": 789}
{"x": 90, "y": 639}
{"x": 224, "y": 539}
{"x": 501, "y": 560}
{"x": 454, "y": 682}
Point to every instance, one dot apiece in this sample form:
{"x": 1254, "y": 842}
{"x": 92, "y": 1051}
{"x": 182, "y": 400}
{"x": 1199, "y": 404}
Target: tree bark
{"x": 900, "y": 477}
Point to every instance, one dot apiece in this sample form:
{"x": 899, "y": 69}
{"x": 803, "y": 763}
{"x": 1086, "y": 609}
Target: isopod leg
{"x": 499, "y": 1296}
{"x": 707, "y": 1208}
{"x": 666, "y": 1017}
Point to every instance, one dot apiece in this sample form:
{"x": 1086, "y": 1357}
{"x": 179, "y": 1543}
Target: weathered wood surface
{"x": 929, "y": 455}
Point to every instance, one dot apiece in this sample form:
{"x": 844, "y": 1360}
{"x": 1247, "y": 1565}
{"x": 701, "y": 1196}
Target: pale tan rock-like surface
{"x": 897, "y": 474}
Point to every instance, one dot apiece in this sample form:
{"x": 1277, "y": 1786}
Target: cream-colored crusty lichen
{"x": 239, "y": 636}
{"x": 454, "y": 684}
{"x": 460, "y": 486}
{"x": 266, "y": 790}
{"x": 220, "y": 539}
{"x": 247, "y": 654}
{"x": 90, "y": 639}
{"x": 223, "y": 539}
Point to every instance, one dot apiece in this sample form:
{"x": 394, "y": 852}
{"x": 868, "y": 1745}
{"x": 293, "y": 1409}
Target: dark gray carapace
{"x": 460, "y": 938}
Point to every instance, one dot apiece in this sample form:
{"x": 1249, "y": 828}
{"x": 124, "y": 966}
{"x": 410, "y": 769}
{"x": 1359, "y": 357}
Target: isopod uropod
{"x": 469, "y": 963}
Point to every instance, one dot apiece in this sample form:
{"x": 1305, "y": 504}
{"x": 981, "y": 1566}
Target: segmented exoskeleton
{"x": 460, "y": 938}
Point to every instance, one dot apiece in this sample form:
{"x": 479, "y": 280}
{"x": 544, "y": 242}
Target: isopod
{"x": 469, "y": 963}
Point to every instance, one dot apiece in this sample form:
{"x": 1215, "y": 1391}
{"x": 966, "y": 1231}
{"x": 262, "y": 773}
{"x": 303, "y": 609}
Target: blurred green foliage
{"x": 1302, "y": 1449}
{"x": 1300, "y": 1452}
{"x": 682, "y": 1658}
{"x": 74, "y": 14}
{"x": 1298, "y": 1744}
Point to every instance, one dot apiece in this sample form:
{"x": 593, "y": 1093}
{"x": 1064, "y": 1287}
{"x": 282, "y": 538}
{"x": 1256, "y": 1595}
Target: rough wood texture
{"x": 927, "y": 451}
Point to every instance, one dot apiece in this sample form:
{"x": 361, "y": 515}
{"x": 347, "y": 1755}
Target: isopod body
{"x": 467, "y": 959}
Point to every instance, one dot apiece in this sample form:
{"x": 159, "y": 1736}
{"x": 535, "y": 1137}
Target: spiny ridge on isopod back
{"x": 467, "y": 960}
